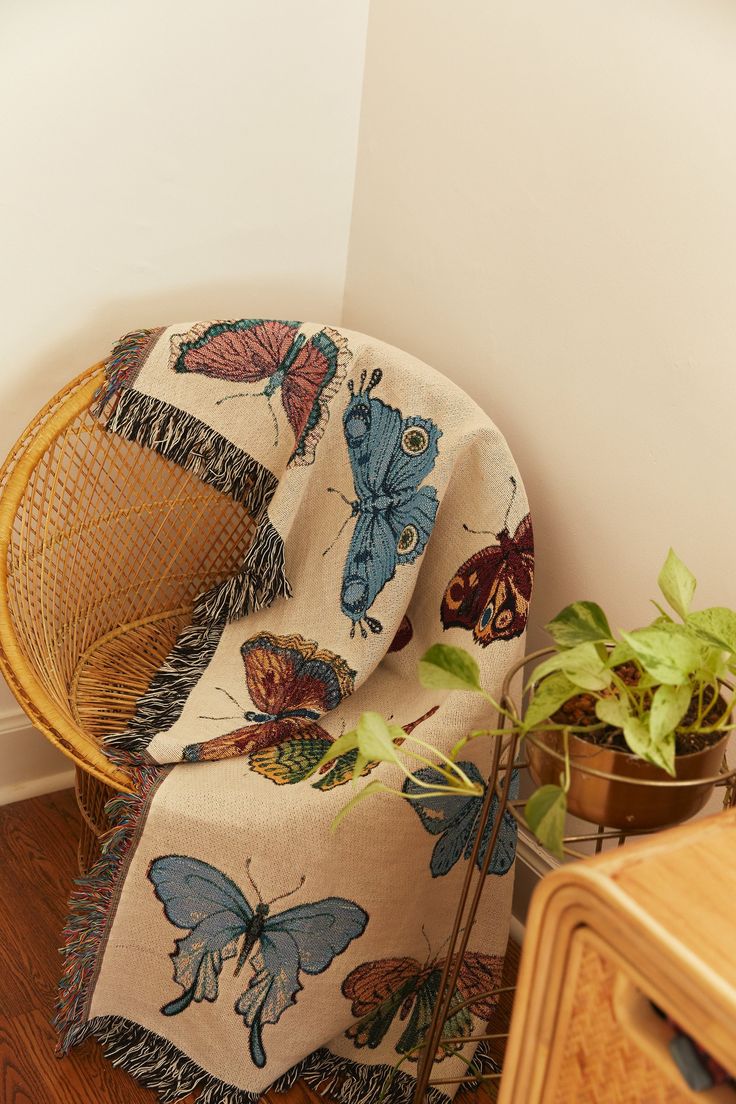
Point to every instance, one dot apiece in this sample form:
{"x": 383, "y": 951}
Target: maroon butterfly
{"x": 491, "y": 591}
{"x": 306, "y": 371}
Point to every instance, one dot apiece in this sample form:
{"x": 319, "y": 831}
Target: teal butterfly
{"x": 455, "y": 819}
{"x": 222, "y": 924}
{"x": 389, "y": 456}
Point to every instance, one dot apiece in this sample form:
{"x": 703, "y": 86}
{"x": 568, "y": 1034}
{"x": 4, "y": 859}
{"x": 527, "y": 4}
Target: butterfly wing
{"x": 292, "y": 760}
{"x": 305, "y": 938}
{"x": 370, "y": 563}
{"x": 378, "y": 990}
{"x": 288, "y": 672}
{"x": 466, "y": 595}
{"x": 312, "y": 378}
{"x": 371, "y": 430}
{"x": 458, "y": 1023}
{"x": 479, "y": 975}
{"x": 389, "y": 458}
{"x": 254, "y": 738}
{"x": 403, "y": 636}
{"x": 414, "y": 454}
{"x": 201, "y": 898}
{"x": 244, "y": 351}
{"x": 505, "y": 850}
{"x": 505, "y": 613}
{"x": 491, "y": 591}
{"x": 452, "y": 817}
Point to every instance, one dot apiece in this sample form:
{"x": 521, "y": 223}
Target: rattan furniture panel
{"x": 649, "y": 923}
{"x": 103, "y": 547}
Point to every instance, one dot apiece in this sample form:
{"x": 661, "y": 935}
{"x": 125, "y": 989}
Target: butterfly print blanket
{"x": 228, "y": 940}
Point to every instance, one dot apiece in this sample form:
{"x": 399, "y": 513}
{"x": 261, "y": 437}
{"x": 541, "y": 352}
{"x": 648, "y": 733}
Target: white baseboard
{"x": 517, "y": 930}
{"x": 29, "y": 764}
{"x": 532, "y": 863}
{"x": 35, "y": 787}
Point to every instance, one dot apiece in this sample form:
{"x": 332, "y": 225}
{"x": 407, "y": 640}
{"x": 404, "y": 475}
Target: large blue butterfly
{"x": 199, "y": 897}
{"x": 455, "y": 820}
{"x": 390, "y": 456}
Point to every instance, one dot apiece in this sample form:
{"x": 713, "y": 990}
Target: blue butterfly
{"x": 201, "y": 898}
{"x": 455, "y": 819}
{"x": 390, "y": 456}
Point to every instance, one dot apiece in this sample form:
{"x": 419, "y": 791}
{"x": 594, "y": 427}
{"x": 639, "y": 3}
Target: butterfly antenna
{"x": 444, "y": 942}
{"x": 241, "y": 395}
{"x": 282, "y": 896}
{"x": 208, "y": 717}
{"x": 248, "y": 861}
{"x": 490, "y": 532}
{"x": 227, "y": 693}
{"x": 334, "y": 490}
{"x": 342, "y": 527}
{"x": 429, "y": 945}
{"x": 511, "y": 503}
{"x": 275, "y": 423}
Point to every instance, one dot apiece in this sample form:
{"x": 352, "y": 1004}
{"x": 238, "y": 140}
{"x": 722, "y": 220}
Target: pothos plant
{"x": 656, "y": 686}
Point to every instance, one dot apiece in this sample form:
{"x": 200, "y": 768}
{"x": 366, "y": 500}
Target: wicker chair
{"x": 103, "y": 547}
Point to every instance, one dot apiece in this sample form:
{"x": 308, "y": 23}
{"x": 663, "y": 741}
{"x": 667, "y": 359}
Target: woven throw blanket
{"x": 228, "y": 940}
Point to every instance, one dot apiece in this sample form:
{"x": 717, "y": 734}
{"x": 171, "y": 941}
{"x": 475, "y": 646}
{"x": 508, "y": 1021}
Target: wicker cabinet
{"x": 614, "y": 943}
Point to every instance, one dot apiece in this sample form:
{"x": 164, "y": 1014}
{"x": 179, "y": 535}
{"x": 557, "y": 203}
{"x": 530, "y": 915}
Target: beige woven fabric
{"x": 368, "y": 473}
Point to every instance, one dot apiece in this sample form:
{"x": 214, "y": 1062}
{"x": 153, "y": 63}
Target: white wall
{"x": 545, "y": 211}
{"x": 164, "y": 161}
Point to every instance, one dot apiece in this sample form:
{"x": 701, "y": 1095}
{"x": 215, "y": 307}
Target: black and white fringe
{"x": 261, "y": 580}
{"x": 161, "y": 1066}
{"x": 196, "y": 447}
{"x": 163, "y": 702}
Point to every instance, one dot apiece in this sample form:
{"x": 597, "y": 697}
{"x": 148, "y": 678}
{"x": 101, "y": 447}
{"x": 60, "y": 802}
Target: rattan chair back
{"x": 103, "y": 547}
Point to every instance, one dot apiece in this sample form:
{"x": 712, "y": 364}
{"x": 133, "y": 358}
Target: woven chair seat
{"x": 103, "y": 547}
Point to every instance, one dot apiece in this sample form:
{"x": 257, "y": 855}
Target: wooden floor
{"x": 37, "y": 864}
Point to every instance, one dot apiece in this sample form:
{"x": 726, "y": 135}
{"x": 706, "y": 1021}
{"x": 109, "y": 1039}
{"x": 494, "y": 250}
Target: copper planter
{"x": 623, "y": 802}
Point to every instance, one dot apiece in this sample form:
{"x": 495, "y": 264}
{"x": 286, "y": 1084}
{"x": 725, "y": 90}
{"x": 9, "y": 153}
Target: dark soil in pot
{"x": 624, "y": 802}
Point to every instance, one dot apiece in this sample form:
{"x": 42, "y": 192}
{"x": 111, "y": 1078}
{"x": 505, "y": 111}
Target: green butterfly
{"x": 293, "y": 760}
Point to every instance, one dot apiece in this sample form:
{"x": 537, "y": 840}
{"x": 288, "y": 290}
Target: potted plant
{"x": 619, "y": 728}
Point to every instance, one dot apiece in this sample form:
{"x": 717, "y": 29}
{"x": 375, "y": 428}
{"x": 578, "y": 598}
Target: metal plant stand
{"x": 506, "y": 759}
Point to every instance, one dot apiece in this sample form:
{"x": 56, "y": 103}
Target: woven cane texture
{"x": 599, "y": 1064}
{"x": 103, "y": 547}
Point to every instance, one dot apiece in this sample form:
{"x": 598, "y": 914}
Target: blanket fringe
{"x": 123, "y": 364}
{"x": 161, "y": 705}
{"x": 261, "y": 581}
{"x": 194, "y": 446}
{"x": 161, "y": 1066}
{"x": 91, "y": 903}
